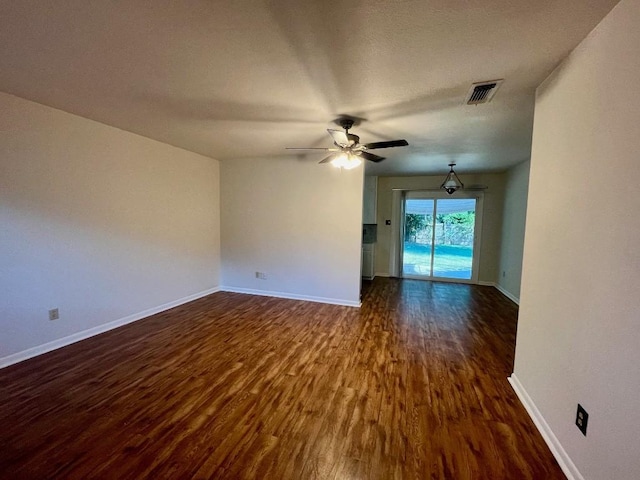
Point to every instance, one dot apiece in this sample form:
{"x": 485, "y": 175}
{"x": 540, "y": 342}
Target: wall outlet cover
{"x": 582, "y": 418}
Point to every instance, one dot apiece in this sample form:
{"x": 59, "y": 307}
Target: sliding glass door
{"x": 417, "y": 257}
{"x": 439, "y": 237}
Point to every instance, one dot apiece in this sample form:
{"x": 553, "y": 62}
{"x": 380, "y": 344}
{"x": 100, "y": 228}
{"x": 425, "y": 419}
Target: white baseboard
{"x": 501, "y": 289}
{"x": 567, "y": 466}
{"x": 507, "y": 294}
{"x": 291, "y": 296}
{"x": 76, "y": 337}
{"x": 378, "y": 274}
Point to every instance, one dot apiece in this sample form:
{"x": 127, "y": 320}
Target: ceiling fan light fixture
{"x": 347, "y": 161}
{"x": 451, "y": 182}
{"x": 347, "y": 151}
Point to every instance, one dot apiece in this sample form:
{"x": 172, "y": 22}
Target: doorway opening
{"x": 440, "y": 237}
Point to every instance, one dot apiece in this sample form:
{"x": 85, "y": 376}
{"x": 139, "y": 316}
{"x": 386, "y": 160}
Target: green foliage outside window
{"x": 451, "y": 228}
{"x": 414, "y": 223}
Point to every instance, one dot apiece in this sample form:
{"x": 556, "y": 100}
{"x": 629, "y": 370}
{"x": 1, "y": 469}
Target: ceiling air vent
{"x": 482, "y": 92}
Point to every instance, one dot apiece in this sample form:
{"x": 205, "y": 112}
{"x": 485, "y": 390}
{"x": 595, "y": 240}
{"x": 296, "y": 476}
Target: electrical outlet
{"x": 582, "y": 418}
{"x": 54, "y": 314}
{"x": 261, "y": 275}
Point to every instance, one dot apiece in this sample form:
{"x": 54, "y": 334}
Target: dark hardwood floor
{"x": 411, "y": 386}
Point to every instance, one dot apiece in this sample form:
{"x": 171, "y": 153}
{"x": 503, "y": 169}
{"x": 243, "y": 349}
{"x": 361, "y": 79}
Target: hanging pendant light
{"x": 451, "y": 182}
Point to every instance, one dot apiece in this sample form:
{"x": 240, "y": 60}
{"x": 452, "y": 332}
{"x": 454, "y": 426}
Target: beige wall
{"x": 100, "y": 223}
{"x": 513, "y": 224}
{"x": 491, "y": 224}
{"x": 296, "y": 221}
{"x": 579, "y": 328}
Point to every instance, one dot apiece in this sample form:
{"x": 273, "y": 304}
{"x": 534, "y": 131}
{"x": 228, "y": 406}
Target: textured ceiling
{"x": 246, "y": 78}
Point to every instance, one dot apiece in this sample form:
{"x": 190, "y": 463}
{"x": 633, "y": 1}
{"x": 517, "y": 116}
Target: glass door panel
{"x": 453, "y": 239}
{"x": 418, "y": 237}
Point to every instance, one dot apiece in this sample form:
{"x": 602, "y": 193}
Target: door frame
{"x": 397, "y": 237}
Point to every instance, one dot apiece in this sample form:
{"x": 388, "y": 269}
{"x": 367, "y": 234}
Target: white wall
{"x": 579, "y": 328}
{"x": 513, "y": 225}
{"x": 491, "y": 219}
{"x": 98, "y": 222}
{"x": 296, "y": 221}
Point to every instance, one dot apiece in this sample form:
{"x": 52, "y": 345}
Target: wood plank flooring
{"x": 411, "y": 386}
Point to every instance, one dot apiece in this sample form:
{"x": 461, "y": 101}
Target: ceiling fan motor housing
{"x": 346, "y": 123}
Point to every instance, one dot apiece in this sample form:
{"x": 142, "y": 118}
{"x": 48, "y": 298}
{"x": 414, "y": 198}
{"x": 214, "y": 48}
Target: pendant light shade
{"x": 451, "y": 182}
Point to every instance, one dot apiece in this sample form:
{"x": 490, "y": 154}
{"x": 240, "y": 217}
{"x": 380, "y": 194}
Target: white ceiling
{"x": 247, "y": 78}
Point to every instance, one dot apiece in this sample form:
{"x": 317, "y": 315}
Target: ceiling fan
{"x": 347, "y": 150}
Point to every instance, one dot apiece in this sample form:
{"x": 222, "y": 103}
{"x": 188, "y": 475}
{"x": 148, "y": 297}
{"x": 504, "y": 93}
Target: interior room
{"x": 278, "y": 239}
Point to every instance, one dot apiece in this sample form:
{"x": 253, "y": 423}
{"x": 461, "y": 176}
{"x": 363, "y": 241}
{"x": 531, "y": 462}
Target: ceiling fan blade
{"x": 391, "y": 143}
{"x": 328, "y": 159}
{"x": 309, "y": 148}
{"x": 372, "y": 157}
{"x": 339, "y": 137}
